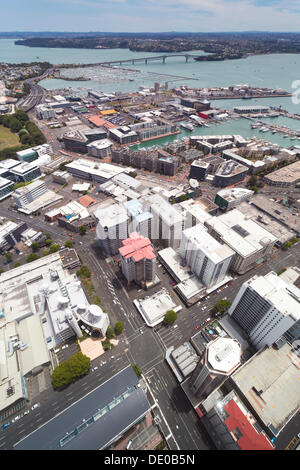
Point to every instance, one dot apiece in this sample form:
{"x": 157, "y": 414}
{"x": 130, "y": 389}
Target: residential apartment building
{"x": 140, "y": 219}
{"x": 167, "y": 222}
{"x": 112, "y": 226}
{"x": 138, "y": 260}
{"x": 207, "y": 258}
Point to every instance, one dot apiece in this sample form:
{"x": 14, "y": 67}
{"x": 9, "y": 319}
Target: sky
{"x": 150, "y": 15}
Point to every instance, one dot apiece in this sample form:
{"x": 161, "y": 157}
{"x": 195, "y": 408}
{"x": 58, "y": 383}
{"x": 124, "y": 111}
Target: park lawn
{"x": 7, "y": 138}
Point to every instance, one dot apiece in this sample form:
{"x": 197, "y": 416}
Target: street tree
{"x": 119, "y": 327}
{"x": 170, "y": 317}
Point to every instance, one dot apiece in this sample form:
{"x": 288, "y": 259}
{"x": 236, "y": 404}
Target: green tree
{"x": 82, "y": 229}
{"x": 35, "y": 246}
{"x": 16, "y": 265}
{"x": 222, "y": 306}
{"x": 26, "y": 139}
{"x": 15, "y": 125}
{"x": 8, "y": 256}
{"x": 69, "y": 244}
{"x": 32, "y": 257}
{"x": 48, "y": 241}
{"x": 69, "y": 370}
{"x": 137, "y": 370}
{"x": 54, "y": 248}
{"x": 61, "y": 376}
{"x": 84, "y": 271}
{"x": 287, "y": 245}
{"x": 106, "y": 344}
{"x": 170, "y": 317}
{"x": 118, "y": 327}
{"x": 109, "y": 333}
{"x": 21, "y": 116}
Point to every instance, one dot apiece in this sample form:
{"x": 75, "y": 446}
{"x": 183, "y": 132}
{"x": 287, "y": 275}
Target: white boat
{"x": 187, "y": 126}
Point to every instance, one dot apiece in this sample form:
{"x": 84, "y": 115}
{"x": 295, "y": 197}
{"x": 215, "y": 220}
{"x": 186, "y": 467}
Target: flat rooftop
{"x": 254, "y": 212}
{"x": 289, "y": 174}
{"x": 153, "y": 308}
{"x": 277, "y": 211}
{"x": 243, "y": 235}
{"x": 23, "y": 168}
{"x": 270, "y": 382}
{"x": 95, "y": 420}
{"x": 283, "y": 296}
{"x": 223, "y": 355}
{"x": 199, "y": 238}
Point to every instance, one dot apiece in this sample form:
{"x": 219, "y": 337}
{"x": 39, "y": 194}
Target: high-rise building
{"x": 112, "y": 227}
{"x": 221, "y": 357}
{"x": 140, "y": 220}
{"x": 138, "y": 259}
{"x": 250, "y": 241}
{"x": 207, "y": 258}
{"x": 167, "y": 222}
{"x": 266, "y": 307}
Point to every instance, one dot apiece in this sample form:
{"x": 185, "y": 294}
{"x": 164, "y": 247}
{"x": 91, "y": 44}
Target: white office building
{"x": 26, "y": 194}
{"x": 112, "y": 226}
{"x": 44, "y": 112}
{"x": 87, "y": 169}
{"x": 6, "y": 188}
{"x": 100, "y": 148}
{"x": 251, "y": 242}
{"x": 266, "y": 307}
{"x": 207, "y": 258}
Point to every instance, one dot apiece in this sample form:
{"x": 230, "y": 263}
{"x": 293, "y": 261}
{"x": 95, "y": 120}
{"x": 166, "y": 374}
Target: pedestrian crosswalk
{"x": 169, "y": 336}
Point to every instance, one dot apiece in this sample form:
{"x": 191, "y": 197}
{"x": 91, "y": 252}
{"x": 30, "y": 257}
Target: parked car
{"x": 197, "y": 327}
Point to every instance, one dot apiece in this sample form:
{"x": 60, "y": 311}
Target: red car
{"x": 173, "y": 283}
{"x": 230, "y": 283}
{"x": 197, "y": 327}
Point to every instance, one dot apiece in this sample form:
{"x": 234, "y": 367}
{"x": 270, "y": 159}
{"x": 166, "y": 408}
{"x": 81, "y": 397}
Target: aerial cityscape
{"x": 149, "y": 229}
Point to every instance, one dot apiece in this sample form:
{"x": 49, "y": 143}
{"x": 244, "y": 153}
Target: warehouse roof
{"x": 95, "y": 420}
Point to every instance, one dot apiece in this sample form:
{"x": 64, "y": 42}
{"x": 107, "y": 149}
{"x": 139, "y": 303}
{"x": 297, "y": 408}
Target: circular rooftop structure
{"x": 224, "y": 355}
{"x": 95, "y": 310}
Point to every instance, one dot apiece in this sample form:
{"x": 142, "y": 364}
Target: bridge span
{"x": 133, "y": 61}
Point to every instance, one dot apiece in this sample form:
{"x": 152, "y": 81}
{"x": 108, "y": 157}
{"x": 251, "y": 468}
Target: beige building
{"x": 250, "y": 242}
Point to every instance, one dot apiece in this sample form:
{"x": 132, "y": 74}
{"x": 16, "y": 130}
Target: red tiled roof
{"x": 86, "y": 201}
{"x": 251, "y": 439}
{"x": 137, "y": 247}
{"x": 98, "y": 121}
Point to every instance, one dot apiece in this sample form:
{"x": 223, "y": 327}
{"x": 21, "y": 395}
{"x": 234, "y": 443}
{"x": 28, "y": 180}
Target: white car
{"x": 36, "y": 405}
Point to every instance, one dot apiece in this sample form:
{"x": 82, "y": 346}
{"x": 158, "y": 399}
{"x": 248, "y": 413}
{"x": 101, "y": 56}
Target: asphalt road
{"x": 138, "y": 344}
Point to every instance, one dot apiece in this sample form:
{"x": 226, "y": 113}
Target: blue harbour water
{"x": 272, "y": 71}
